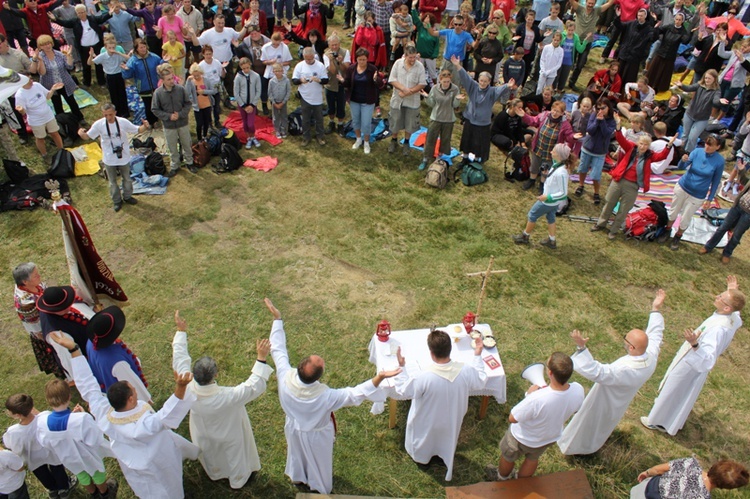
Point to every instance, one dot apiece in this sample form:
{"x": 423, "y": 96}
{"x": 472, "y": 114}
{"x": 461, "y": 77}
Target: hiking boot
{"x": 392, "y": 146}
{"x": 117, "y": 207}
{"x": 406, "y": 149}
{"x": 331, "y": 127}
{"x": 192, "y": 168}
{"x": 702, "y": 251}
{"x": 675, "y": 244}
{"x": 131, "y": 201}
{"x": 422, "y": 165}
{"x": 597, "y": 228}
{"x": 528, "y": 184}
{"x": 521, "y": 238}
{"x": 551, "y": 244}
{"x": 725, "y": 259}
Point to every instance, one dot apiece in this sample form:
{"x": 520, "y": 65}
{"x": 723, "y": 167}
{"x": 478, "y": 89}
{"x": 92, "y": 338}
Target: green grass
{"x": 339, "y": 241}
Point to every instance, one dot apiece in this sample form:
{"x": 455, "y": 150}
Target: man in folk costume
{"x": 109, "y": 357}
{"x": 616, "y": 384}
{"x": 61, "y": 310}
{"x": 309, "y": 405}
{"x": 694, "y": 360}
{"x": 150, "y": 454}
{"x": 440, "y": 398}
{"x": 219, "y": 424}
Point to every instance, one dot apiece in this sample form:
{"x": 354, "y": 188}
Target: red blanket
{"x": 263, "y": 128}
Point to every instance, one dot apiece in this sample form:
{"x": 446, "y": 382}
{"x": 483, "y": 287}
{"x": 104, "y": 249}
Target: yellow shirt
{"x": 175, "y": 50}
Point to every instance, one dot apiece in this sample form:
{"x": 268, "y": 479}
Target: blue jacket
{"x": 598, "y": 135}
{"x": 704, "y": 174}
{"x": 143, "y": 71}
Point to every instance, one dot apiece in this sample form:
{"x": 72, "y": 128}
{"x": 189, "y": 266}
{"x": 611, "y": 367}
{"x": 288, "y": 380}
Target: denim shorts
{"x": 539, "y": 209}
{"x": 593, "y": 163}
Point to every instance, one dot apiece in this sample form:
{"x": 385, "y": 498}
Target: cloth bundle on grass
{"x": 417, "y": 140}
{"x": 263, "y": 164}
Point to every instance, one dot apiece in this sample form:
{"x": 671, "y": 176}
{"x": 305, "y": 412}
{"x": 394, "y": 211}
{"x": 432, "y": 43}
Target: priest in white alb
{"x": 439, "y": 399}
{"x": 616, "y": 384}
{"x": 309, "y": 405}
{"x": 219, "y": 424}
{"x": 150, "y": 454}
{"x": 696, "y": 357}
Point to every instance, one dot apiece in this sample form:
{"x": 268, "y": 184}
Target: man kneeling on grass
{"x": 537, "y": 421}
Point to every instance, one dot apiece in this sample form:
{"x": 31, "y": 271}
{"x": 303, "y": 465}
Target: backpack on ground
{"x": 201, "y": 154}
{"x": 437, "y": 174}
{"x": 519, "y": 155}
{"x": 17, "y": 172}
{"x": 648, "y": 223}
{"x": 155, "y": 164}
{"x": 230, "y": 160}
{"x": 295, "y": 122}
{"x": 144, "y": 147}
{"x": 229, "y": 137}
{"x": 214, "y": 141}
{"x": 471, "y": 173}
{"x": 63, "y": 165}
{"x": 715, "y": 216}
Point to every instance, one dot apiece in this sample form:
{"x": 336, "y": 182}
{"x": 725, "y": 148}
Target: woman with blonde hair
{"x": 707, "y": 95}
{"x": 53, "y": 67}
{"x": 201, "y": 93}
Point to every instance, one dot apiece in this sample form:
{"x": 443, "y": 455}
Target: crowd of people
{"x": 85, "y": 349}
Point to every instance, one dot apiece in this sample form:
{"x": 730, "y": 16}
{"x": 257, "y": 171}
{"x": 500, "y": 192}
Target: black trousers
{"x": 100, "y": 79}
{"x": 116, "y": 86}
{"x": 52, "y": 477}
{"x": 150, "y": 116}
{"x": 579, "y": 64}
{"x": 70, "y": 99}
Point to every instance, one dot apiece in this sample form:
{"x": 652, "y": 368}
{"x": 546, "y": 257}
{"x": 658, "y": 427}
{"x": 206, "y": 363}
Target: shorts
{"x": 512, "y": 450}
{"x": 404, "y": 118}
{"x": 41, "y": 131}
{"x": 593, "y": 163}
{"x": 85, "y": 479}
{"x": 539, "y": 209}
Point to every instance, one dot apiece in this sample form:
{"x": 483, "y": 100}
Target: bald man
{"x": 616, "y": 384}
{"x": 309, "y": 405}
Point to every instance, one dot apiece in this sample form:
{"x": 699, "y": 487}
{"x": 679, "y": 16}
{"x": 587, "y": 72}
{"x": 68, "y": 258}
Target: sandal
{"x": 597, "y": 199}
{"x": 579, "y": 191}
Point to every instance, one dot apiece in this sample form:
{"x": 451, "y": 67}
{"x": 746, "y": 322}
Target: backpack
{"x": 69, "y": 125}
{"x": 229, "y": 137}
{"x": 715, "y": 216}
{"x": 471, "y": 173}
{"x": 521, "y": 164}
{"x": 63, "y": 165}
{"x": 295, "y": 122}
{"x": 214, "y": 141}
{"x": 17, "y": 172}
{"x": 155, "y": 164}
{"x": 144, "y": 147}
{"x": 648, "y": 223}
{"x": 230, "y": 160}
{"x": 201, "y": 154}
{"x": 437, "y": 174}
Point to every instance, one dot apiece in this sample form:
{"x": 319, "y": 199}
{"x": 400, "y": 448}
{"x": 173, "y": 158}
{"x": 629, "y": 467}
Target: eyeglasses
{"x": 492, "y": 32}
{"x": 626, "y": 341}
{"x": 458, "y": 24}
{"x": 496, "y": 17}
{"x": 721, "y": 299}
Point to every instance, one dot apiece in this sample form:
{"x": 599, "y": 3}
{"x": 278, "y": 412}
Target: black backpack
{"x": 295, "y": 122}
{"x": 63, "y": 165}
{"x": 230, "y": 160}
{"x": 144, "y": 147}
{"x": 519, "y": 155}
{"x": 155, "y": 164}
{"x": 17, "y": 172}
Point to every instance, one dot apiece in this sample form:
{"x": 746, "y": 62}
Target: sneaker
{"x": 256, "y": 143}
{"x": 735, "y": 189}
{"x": 579, "y": 191}
{"x": 675, "y": 244}
{"x": 321, "y": 142}
{"x": 279, "y": 136}
{"x": 357, "y": 143}
{"x": 406, "y": 148}
{"x": 367, "y": 148}
{"x": 597, "y": 228}
{"x": 117, "y": 207}
{"x": 548, "y": 243}
{"x": 346, "y": 26}
{"x": 192, "y": 169}
{"x": 644, "y": 422}
{"x": 520, "y": 238}
{"x": 726, "y": 187}
{"x": 597, "y": 199}
{"x": 392, "y": 146}
{"x": 528, "y": 184}
{"x": 131, "y": 201}
{"x": 422, "y": 165}
{"x": 331, "y": 127}
{"x": 249, "y": 144}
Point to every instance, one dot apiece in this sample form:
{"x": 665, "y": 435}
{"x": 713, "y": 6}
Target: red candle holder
{"x": 383, "y": 331}
{"x": 469, "y": 322}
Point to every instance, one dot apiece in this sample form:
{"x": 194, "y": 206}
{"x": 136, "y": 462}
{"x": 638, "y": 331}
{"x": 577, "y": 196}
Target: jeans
{"x": 738, "y": 219}
{"x": 181, "y": 136}
{"x": 309, "y": 113}
{"x": 127, "y": 182}
{"x": 362, "y": 117}
{"x": 593, "y": 163}
{"x": 280, "y": 5}
{"x": 692, "y": 130}
{"x": 539, "y": 210}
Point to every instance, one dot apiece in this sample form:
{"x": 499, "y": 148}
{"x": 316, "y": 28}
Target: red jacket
{"x": 38, "y": 21}
{"x": 434, "y": 7}
{"x": 629, "y": 147}
{"x": 372, "y": 39}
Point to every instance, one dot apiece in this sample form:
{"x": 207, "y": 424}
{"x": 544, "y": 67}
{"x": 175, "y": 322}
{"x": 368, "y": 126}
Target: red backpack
{"x": 642, "y": 224}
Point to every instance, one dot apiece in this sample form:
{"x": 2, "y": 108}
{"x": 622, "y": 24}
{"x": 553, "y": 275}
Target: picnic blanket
{"x": 662, "y": 188}
{"x": 83, "y": 98}
{"x": 135, "y": 104}
{"x": 153, "y": 185}
{"x": 699, "y": 231}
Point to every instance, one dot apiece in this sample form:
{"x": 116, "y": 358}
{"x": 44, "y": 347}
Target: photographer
{"x": 116, "y": 151}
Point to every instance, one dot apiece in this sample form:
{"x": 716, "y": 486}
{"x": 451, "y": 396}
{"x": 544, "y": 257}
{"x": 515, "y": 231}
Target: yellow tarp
{"x": 91, "y": 165}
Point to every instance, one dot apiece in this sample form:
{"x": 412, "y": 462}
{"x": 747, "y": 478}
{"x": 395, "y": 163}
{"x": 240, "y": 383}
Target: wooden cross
{"x": 485, "y": 277}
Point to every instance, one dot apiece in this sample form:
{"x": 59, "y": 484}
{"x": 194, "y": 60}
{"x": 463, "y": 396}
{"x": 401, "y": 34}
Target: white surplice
{"x": 686, "y": 375}
{"x": 149, "y": 452}
{"x": 309, "y": 428}
{"x": 80, "y": 447}
{"x": 440, "y": 398}
{"x": 616, "y": 386}
{"x": 219, "y": 424}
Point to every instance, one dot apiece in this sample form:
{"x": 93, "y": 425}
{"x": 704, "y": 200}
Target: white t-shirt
{"x": 220, "y": 42}
{"x": 541, "y": 414}
{"x": 113, "y": 139}
{"x": 89, "y": 38}
{"x": 10, "y": 479}
{"x": 34, "y": 101}
{"x": 212, "y": 72}
{"x": 312, "y": 91}
{"x": 279, "y": 54}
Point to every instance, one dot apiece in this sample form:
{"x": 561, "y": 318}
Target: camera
{"x": 118, "y": 151}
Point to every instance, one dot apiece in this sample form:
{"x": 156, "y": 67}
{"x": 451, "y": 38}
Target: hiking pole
{"x": 578, "y": 218}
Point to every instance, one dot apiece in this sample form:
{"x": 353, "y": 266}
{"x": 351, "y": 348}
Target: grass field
{"x": 339, "y": 241}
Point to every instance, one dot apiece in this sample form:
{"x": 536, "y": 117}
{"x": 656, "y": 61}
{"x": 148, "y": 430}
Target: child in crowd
{"x": 515, "y": 68}
{"x": 555, "y": 191}
{"x": 443, "y": 98}
{"x": 12, "y": 476}
{"x": 31, "y": 100}
{"x": 279, "y": 92}
{"x": 75, "y": 439}
{"x": 401, "y": 27}
{"x": 247, "y": 95}
{"x": 213, "y": 71}
{"x": 21, "y": 439}
{"x": 201, "y": 93}
{"x": 550, "y": 62}
{"x": 112, "y": 61}
{"x": 571, "y": 45}
{"x": 579, "y": 120}
{"x": 173, "y": 52}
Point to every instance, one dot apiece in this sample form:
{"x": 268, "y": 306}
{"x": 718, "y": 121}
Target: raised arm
{"x": 278, "y": 341}
{"x": 255, "y": 385}
{"x": 181, "y": 360}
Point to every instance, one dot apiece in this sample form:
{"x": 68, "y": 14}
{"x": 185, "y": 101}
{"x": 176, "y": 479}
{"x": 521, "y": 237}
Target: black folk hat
{"x": 105, "y": 327}
{"x": 56, "y": 299}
